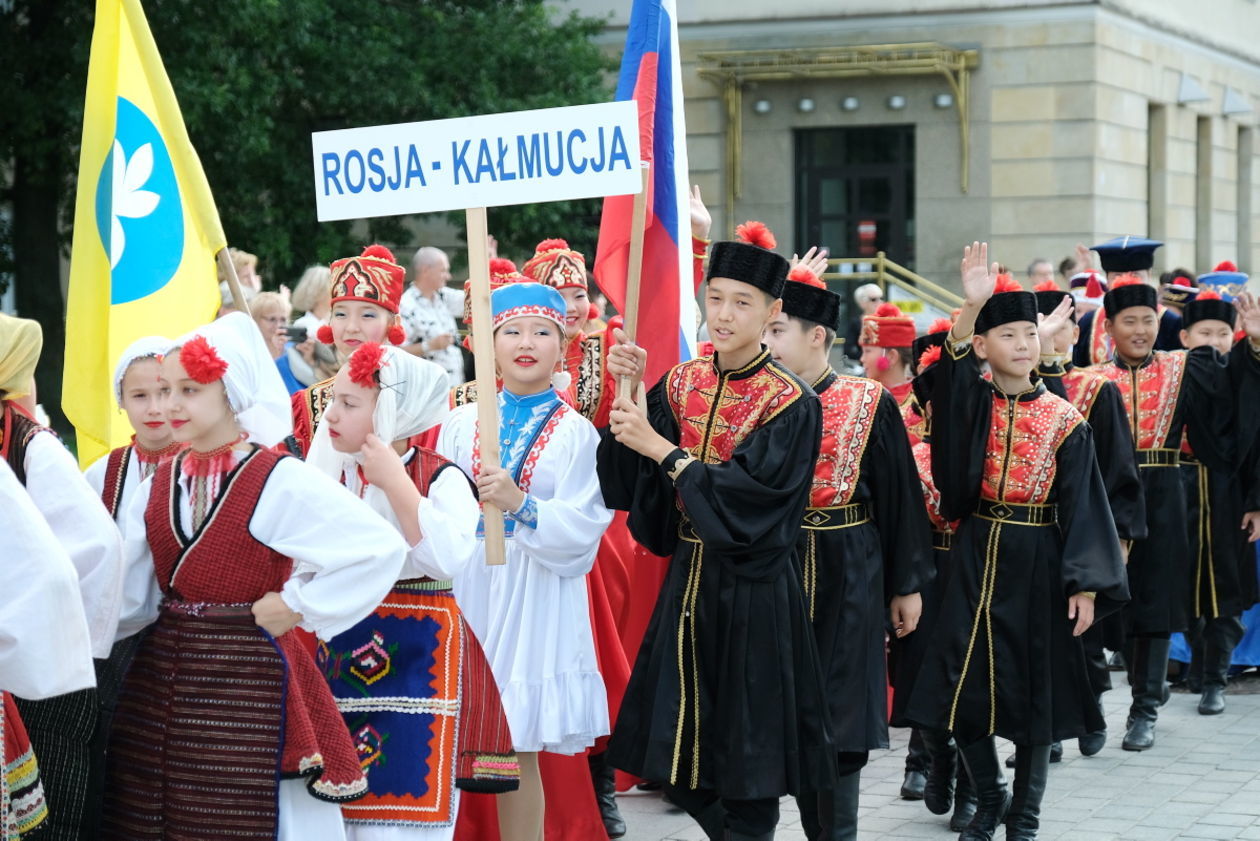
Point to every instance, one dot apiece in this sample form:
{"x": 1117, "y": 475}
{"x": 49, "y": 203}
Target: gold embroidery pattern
{"x": 1020, "y": 463}
{"x": 848, "y": 407}
{"x": 715, "y": 413}
{"x": 1158, "y": 386}
{"x": 589, "y": 378}
{"x": 464, "y": 394}
{"x": 1083, "y": 387}
{"x": 931, "y": 496}
{"x": 318, "y": 398}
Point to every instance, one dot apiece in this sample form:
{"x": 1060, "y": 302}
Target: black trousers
{"x": 747, "y": 817}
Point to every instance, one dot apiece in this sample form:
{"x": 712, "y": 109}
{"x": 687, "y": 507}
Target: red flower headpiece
{"x": 801, "y": 274}
{"x": 756, "y": 233}
{"x": 1046, "y": 286}
{"x": 365, "y": 362}
{"x": 201, "y": 361}
{"x": 929, "y": 357}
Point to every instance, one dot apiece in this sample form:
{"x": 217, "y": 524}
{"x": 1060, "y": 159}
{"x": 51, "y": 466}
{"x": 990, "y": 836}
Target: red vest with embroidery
{"x": 308, "y": 407}
{"x": 115, "y": 478}
{"x": 16, "y": 431}
{"x": 593, "y": 388}
{"x": 716, "y": 411}
{"x": 1024, "y": 438}
{"x": 1083, "y": 386}
{"x": 931, "y": 496}
{"x": 1100, "y": 347}
{"x": 848, "y": 410}
{"x": 1150, "y": 394}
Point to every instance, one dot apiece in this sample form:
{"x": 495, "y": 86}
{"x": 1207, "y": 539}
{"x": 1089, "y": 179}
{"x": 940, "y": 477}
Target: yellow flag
{"x": 145, "y": 226}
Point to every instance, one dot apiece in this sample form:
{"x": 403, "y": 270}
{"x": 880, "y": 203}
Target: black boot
{"x": 992, "y": 797}
{"x": 704, "y": 808}
{"x": 938, "y": 794}
{"x": 839, "y": 810}
{"x": 732, "y": 835}
{"x": 1056, "y": 753}
{"x": 916, "y": 768}
{"x": 1150, "y": 673}
{"x": 964, "y": 801}
{"x": 1091, "y": 743}
{"x": 1219, "y": 639}
{"x": 1032, "y": 767}
{"x": 604, "y": 776}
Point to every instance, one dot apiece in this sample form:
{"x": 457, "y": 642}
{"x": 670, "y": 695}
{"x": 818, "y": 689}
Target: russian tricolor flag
{"x": 652, "y": 76}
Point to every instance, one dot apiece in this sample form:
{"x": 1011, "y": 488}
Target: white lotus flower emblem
{"x": 129, "y": 200}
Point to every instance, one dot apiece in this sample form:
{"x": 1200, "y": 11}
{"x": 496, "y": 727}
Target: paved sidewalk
{"x": 1201, "y": 780}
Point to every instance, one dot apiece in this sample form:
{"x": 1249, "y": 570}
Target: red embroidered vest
{"x": 848, "y": 410}
{"x": 115, "y": 478}
{"x": 16, "y": 432}
{"x": 1083, "y": 386}
{"x": 931, "y": 496}
{"x": 1024, "y": 438}
{"x": 716, "y": 411}
{"x": 1150, "y": 392}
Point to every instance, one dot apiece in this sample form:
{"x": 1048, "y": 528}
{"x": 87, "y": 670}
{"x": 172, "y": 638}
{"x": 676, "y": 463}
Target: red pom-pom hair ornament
{"x": 1046, "y": 286}
{"x": 756, "y": 233}
{"x": 324, "y": 334}
{"x": 1006, "y": 283}
{"x": 940, "y": 325}
{"x": 887, "y": 310}
{"x": 929, "y": 357}
{"x": 1226, "y": 266}
{"x": 201, "y": 361}
{"x": 801, "y": 274}
{"x": 396, "y": 335}
{"x": 364, "y": 363}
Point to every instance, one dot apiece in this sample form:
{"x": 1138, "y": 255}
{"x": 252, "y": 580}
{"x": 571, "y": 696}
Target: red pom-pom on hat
{"x": 1226, "y": 266}
{"x": 324, "y": 334}
{"x": 364, "y": 363}
{"x": 1093, "y": 286}
{"x": 1046, "y": 286}
{"x": 930, "y": 357}
{"x": 1006, "y": 283}
{"x": 1208, "y": 295}
{"x": 1181, "y": 280}
{"x": 1126, "y": 280}
{"x": 756, "y": 233}
{"x": 887, "y": 310}
{"x": 380, "y": 252}
{"x": 555, "y": 244}
{"x": 504, "y": 266}
{"x": 940, "y": 325}
{"x": 801, "y": 274}
{"x": 201, "y": 361}
{"x": 396, "y": 335}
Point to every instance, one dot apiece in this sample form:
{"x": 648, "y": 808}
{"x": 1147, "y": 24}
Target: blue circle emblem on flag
{"x": 138, "y": 211}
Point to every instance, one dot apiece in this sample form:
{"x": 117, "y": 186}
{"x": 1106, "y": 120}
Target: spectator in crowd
{"x": 271, "y": 314}
{"x": 868, "y": 296}
{"x": 1039, "y": 271}
{"x": 426, "y": 317}
{"x": 312, "y": 297}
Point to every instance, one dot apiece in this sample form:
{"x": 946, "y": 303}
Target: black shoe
{"x": 993, "y": 799}
{"x": 1032, "y": 768}
{"x": 1056, "y": 752}
{"x": 1150, "y": 690}
{"x": 938, "y": 793}
{"x": 1140, "y": 735}
{"x": 1116, "y": 663}
{"x": 1213, "y": 700}
{"x": 912, "y": 785}
{"x": 964, "y": 801}
{"x": 604, "y": 777}
{"x": 1091, "y": 743}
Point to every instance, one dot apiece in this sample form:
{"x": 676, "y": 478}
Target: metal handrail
{"x": 889, "y": 272}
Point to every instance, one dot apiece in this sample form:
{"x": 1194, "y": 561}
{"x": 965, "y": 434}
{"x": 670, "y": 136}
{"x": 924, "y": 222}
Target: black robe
{"x": 726, "y": 693}
{"x": 1001, "y": 658}
{"x": 851, "y": 573}
{"x": 1198, "y": 392}
{"x": 1222, "y": 568}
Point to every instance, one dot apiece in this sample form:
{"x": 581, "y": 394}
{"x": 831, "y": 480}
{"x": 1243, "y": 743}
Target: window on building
{"x": 855, "y": 191}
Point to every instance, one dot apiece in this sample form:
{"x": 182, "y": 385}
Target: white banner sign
{"x": 523, "y": 157}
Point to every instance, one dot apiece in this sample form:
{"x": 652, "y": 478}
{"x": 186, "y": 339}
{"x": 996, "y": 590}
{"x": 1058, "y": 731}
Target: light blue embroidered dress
{"x": 531, "y": 614}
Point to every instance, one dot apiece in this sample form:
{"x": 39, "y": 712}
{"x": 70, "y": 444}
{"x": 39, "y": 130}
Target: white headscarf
{"x": 255, "y": 391}
{"x": 150, "y": 347}
{"x": 414, "y": 396}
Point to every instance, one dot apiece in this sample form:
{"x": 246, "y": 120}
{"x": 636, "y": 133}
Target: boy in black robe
{"x": 1222, "y": 582}
{"x": 1036, "y": 557}
{"x": 1165, "y": 394}
{"x": 725, "y": 704}
{"x": 864, "y": 543}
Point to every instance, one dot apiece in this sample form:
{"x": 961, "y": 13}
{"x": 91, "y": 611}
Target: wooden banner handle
{"x": 638, "y": 221}
{"x": 234, "y": 284}
{"x": 483, "y": 355}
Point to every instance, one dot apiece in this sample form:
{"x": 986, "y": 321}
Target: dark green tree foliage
{"x": 254, "y": 78}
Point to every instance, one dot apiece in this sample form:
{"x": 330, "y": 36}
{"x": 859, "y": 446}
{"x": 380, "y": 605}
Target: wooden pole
{"x": 483, "y": 355}
{"x": 234, "y": 284}
{"x": 638, "y": 221}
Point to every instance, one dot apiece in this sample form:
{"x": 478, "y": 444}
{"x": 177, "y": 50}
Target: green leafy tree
{"x": 254, "y": 78}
